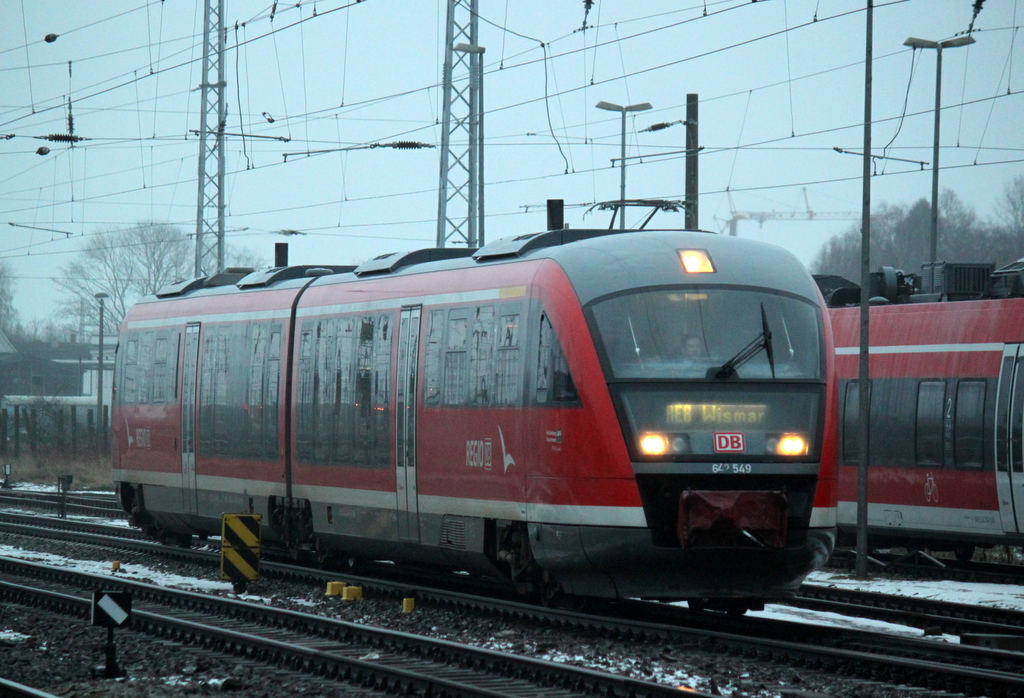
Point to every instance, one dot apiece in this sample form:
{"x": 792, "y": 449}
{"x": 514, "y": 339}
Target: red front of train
{"x": 635, "y": 414}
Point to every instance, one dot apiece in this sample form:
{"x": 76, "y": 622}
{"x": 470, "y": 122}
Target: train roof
{"x": 598, "y": 262}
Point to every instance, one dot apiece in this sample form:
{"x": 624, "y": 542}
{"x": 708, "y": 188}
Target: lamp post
{"x": 938, "y": 46}
{"x": 101, "y": 296}
{"x": 608, "y": 106}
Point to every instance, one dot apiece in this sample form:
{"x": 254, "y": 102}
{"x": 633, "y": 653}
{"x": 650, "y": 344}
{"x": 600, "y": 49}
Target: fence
{"x": 48, "y": 428}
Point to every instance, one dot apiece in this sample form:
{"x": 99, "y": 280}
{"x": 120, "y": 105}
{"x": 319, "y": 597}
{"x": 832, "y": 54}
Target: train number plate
{"x": 729, "y": 442}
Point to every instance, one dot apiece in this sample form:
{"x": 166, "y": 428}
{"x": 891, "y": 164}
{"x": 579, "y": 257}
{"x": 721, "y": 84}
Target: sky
{"x": 781, "y": 85}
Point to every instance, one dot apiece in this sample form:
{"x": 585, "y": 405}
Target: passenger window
{"x": 509, "y": 383}
{"x": 851, "y": 423}
{"x": 432, "y": 367}
{"x": 969, "y": 429}
{"x": 130, "y": 393}
{"x": 456, "y": 367}
{"x": 931, "y": 396}
{"x": 554, "y": 384}
{"x": 481, "y": 360}
{"x": 160, "y": 370}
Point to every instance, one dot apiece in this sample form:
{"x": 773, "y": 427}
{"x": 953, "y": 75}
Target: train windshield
{"x": 701, "y": 332}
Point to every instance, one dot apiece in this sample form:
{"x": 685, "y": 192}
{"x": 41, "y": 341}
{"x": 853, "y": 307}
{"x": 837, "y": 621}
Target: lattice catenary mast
{"x": 210, "y": 201}
{"x": 461, "y": 176}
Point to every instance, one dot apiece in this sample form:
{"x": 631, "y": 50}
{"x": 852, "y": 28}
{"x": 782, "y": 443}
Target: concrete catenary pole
{"x": 692, "y": 213}
{"x": 864, "y": 388}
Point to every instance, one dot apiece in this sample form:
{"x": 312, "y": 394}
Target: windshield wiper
{"x": 761, "y": 341}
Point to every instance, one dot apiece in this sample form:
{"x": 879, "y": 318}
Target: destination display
{"x": 696, "y": 415}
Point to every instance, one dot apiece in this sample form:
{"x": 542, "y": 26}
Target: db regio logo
{"x": 729, "y": 442}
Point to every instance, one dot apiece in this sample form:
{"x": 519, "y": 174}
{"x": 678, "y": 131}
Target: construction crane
{"x": 808, "y": 215}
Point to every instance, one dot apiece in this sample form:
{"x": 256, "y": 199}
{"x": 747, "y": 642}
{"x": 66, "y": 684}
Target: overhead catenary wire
{"x": 549, "y": 125}
{"x": 669, "y": 156}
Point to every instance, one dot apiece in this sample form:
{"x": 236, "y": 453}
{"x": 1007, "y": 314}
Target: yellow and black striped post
{"x": 240, "y": 549}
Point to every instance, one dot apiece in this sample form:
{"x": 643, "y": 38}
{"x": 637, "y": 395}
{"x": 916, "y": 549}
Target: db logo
{"x": 729, "y": 442}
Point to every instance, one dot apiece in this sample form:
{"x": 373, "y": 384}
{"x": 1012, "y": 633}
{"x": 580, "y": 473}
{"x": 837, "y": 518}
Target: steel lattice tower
{"x": 461, "y": 177}
{"x": 210, "y": 205}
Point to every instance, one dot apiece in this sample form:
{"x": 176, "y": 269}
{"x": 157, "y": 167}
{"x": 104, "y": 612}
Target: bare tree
{"x": 8, "y": 315}
{"x": 126, "y": 264}
{"x": 1011, "y": 209}
{"x": 900, "y": 238}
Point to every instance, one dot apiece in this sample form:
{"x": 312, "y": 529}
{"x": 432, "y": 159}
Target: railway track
{"x": 923, "y": 566}
{"x": 902, "y": 660}
{"x": 388, "y": 660}
{"x": 84, "y": 504}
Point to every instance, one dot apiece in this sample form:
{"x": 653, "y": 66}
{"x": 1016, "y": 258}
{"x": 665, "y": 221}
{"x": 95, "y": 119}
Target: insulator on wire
{"x": 63, "y": 138}
{"x": 50, "y": 38}
{"x": 42, "y": 150}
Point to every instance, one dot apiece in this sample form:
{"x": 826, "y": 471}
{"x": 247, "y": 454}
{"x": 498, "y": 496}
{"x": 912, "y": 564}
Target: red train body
{"x": 947, "y": 408}
{"x": 525, "y": 412}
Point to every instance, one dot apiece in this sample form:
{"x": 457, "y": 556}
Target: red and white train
{"x": 604, "y": 413}
{"x": 947, "y": 412}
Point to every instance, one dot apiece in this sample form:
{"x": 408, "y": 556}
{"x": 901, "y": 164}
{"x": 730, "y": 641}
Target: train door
{"x": 405, "y": 424}
{"x": 188, "y": 419}
{"x": 1010, "y": 439}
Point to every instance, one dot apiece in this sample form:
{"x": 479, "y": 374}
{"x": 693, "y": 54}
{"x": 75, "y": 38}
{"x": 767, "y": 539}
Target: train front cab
{"x": 721, "y": 394}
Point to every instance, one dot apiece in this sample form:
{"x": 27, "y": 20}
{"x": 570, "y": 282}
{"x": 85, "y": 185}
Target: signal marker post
{"x": 110, "y": 609}
{"x": 240, "y": 549}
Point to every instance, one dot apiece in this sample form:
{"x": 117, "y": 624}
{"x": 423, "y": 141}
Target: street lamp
{"x": 99, "y": 379}
{"x": 938, "y": 46}
{"x": 608, "y": 106}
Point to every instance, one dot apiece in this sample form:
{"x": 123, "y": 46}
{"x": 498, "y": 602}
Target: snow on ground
{"x": 996, "y": 595}
{"x": 135, "y": 573}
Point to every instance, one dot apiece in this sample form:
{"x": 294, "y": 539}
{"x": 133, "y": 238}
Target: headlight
{"x": 788, "y": 445}
{"x": 653, "y": 444}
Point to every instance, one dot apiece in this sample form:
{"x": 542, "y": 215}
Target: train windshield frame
{"x": 691, "y": 332}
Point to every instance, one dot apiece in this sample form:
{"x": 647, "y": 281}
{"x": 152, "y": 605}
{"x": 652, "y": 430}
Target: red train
{"x": 595, "y": 412}
{"x": 947, "y": 409}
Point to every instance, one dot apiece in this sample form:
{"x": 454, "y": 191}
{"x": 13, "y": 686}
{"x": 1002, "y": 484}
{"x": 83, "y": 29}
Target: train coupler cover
{"x": 714, "y": 518}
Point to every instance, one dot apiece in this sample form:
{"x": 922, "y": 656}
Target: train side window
{"x": 380, "y": 427}
{"x": 508, "y": 385}
{"x": 1002, "y": 413}
{"x": 432, "y": 366}
{"x": 255, "y": 401}
{"x": 305, "y": 392}
{"x": 145, "y": 373}
{"x": 348, "y": 335}
{"x": 456, "y": 365}
{"x": 130, "y": 392}
{"x": 969, "y": 432}
{"x": 481, "y": 356}
{"x": 160, "y": 370}
{"x": 214, "y": 403}
{"x": 893, "y": 413}
{"x": 554, "y": 382}
{"x": 271, "y": 391}
{"x": 931, "y": 398}
{"x": 322, "y": 431}
{"x": 851, "y": 423}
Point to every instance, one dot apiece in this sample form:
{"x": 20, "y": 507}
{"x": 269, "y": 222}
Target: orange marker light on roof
{"x": 696, "y": 262}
